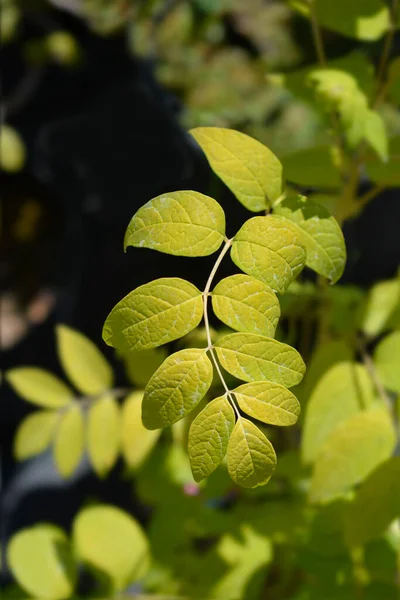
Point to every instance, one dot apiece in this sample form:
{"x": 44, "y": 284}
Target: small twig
{"x": 317, "y": 36}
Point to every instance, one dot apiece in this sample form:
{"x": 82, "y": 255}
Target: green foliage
{"x": 12, "y": 148}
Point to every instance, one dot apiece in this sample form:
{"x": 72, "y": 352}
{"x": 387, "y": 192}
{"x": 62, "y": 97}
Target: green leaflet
{"x": 249, "y": 169}
{"x": 141, "y": 365}
{"x": 40, "y": 560}
{"x": 35, "y": 433}
{"x": 319, "y": 233}
{"x": 387, "y": 361}
{"x": 376, "y": 504}
{"x": 344, "y": 390}
{"x": 208, "y": 437}
{"x": 69, "y": 441}
{"x": 12, "y": 148}
{"x": 314, "y": 167}
{"x": 136, "y": 441}
{"x": 39, "y": 387}
{"x": 110, "y": 541}
{"x": 375, "y": 134}
{"x": 251, "y": 456}
{"x": 268, "y": 402}
{"x": 269, "y": 250}
{"x": 362, "y": 19}
{"x": 324, "y": 357}
{"x": 153, "y": 314}
{"x": 385, "y": 173}
{"x": 83, "y": 362}
{"x": 183, "y": 223}
{"x": 352, "y": 451}
{"x": 382, "y": 301}
{"x": 103, "y": 434}
{"x": 176, "y": 388}
{"x": 252, "y": 357}
{"x": 246, "y": 304}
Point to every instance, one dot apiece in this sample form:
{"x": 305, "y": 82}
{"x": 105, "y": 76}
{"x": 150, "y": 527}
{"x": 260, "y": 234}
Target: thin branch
{"x": 317, "y": 36}
{"x": 386, "y": 52}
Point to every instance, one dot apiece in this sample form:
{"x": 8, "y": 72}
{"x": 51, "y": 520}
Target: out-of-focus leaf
{"x": 312, "y": 167}
{"x": 103, "y": 434}
{"x": 136, "y": 441}
{"x": 140, "y": 366}
{"x": 387, "y": 361}
{"x": 69, "y": 440}
{"x": 35, "y": 433}
{"x": 12, "y": 148}
{"x": 382, "y": 300}
{"x": 39, "y": 387}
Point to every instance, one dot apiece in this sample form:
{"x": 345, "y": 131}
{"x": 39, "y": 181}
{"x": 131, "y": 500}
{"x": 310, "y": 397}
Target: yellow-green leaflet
{"x": 155, "y": 313}
{"x": 12, "y": 148}
{"x": 270, "y": 250}
{"x": 183, "y": 223}
{"x": 136, "y": 441}
{"x": 39, "y": 387}
{"x": 252, "y": 357}
{"x": 176, "y": 388}
{"x": 83, "y": 362}
{"x": 110, "y": 541}
{"x": 35, "y": 433}
{"x": 103, "y": 434}
{"x": 312, "y": 167}
{"x": 246, "y": 304}
{"x": 382, "y": 300}
{"x": 362, "y": 19}
{"x": 268, "y": 402}
{"x": 251, "y": 456}
{"x": 249, "y": 169}
{"x": 140, "y": 366}
{"x": 352, "y": 451}
{"x": 39, "y": 558}
{"x": 69, "y": 441}
{"x": 319, "y": 233}
{"x": 208, "y": 437}
{"x": 343, "y": 390}
{"x": 387, "y": 361}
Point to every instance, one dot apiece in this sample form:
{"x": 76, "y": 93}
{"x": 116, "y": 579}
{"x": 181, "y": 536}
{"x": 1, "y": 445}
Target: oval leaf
{"x": 111, "y": 542}
{"x": 246, "y": 304}
{"x": 208, "y": 437}
{"x": 183, "y": 223}
{"x": 69, "y": 441}
{"x": 387, "y": 361}
{"x": 176, "y": 388}
{"x": 319, "y": 233}
{"x": 103, "y": 434}
{"x": 83, "y": 362}
{"x": 154, "y": 314}
{"x": 39, "y": 558}
{"x": 268, "y": 402}
{"x": 249, "y": 169}
{"x": 39, "y": 387}
{"x": 136, "y": 441}
{"x": 269, "y": 250}
{"x": 251, "y": 456}
{"x": 35, "y": 434}
{"x": 252, "y": 357}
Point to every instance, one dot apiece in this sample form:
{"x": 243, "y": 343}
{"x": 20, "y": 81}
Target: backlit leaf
{"x": 154, "y": 314}
{"x": 112, "y": 542}
{"x": 39, "y": 387}
{"x": 69, "y": 441}
{"x": 269, "y": 250}
{"x": 387, "y": 361}
{"x": 184, "y": 223}
{"x": 312, "y": 167}
{"x": 250, "y": 170}
{"x": 35, "y": 434}
{"x": 103, "y": 434}
{"x": 136, "y": 441}
{"x": 246, "y": 304}
{"x": 176, "y": 388}
{"x": 82, "y": 361}
{"x": 268, "y": 402}
{"x": 208, "y": 437}
{"x": 251, "y": 456}
{"x": 383, "y": 298}
{"x": 252, "y": 357}
{"x": 319, "y": 233}
{"x": 344, "y": 390}
{"x": 39, "y": 558}
{"x": 362, "y": 19}
{"x": 352, "y": 451}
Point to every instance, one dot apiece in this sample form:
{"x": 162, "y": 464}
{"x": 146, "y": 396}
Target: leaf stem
{"x": 317, "y": 37}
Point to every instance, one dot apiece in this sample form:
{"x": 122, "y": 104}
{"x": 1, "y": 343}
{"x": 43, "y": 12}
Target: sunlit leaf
{"x": 39, "y": 387}
{"x": 268, "y": 402}
{"x": 153, "y": 314}
{"x": 136, "y": 441}
{"x": 382, "y": 300}
{"x": 387, "y": 361}
{"x": 35, "y": 433}
{"x": 103, "y": 434}
{"x": 183, "y": 223}
{"x": 69, "y": 440}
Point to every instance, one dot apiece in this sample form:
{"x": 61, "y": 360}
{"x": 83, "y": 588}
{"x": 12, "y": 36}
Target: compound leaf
{"x": 249, "y": 169}
{"x": 208, "y": 437}
{"x": 35, "y": 434}
{"x": 136, "y": 441}
{"x": 387, "y": 361}
{"x": 39, "y": 387}
{"x": 176, "y": 388}
{"x": 69, "y": 441}
{"x": 246, "y": 304}
{"x": 319, "y": 233}
{"x": 155, "y": 313}
{"x": 184, "y": 223}
{"x": 269, "y": 250}
{"x": 268, "y": 402}
{"x": 252, "y": 357}
{"x": 251, "y": 456}
{"x": 83, "y": 362}
{"x": 103, "y": 434}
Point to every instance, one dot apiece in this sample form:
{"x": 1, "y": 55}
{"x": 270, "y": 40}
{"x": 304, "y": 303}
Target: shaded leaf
{"x": 268, "y": 402}
{"x": 39, "y": 387}
{"x": 382, "y": 300}
{"x": 34, "y": 434}
{"x": 313, "y": 167}
{"x": 69, "y": 441}
{"x": 362, "y": 19}
{"x": 387, "y": 361}
{"x": 103, "y": 434}
{"x": 136, "y": 441}
{"x": 385, "y": 173}
{"x": 140, "y": 366}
